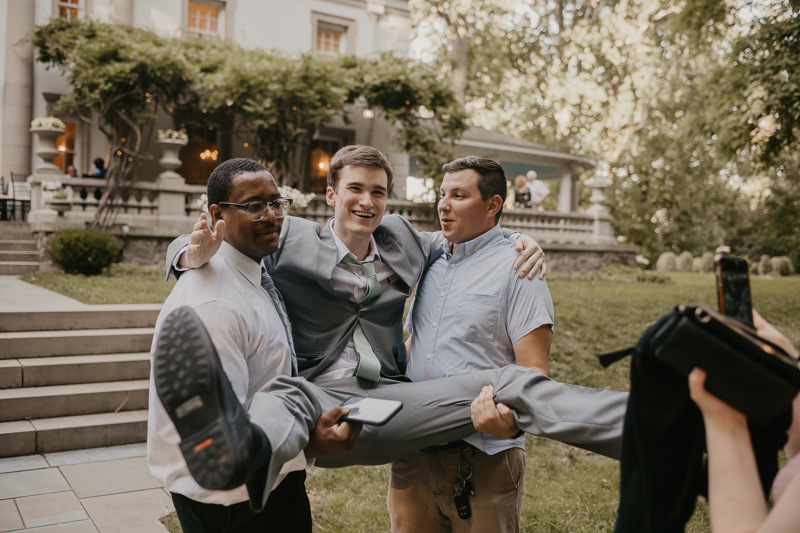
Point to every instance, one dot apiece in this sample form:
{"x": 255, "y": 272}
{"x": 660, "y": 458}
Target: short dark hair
{"x": 358, "y": 155}
{"x": 491, "y": 176}
{"x": 99, "y": 163}
{"x": 219, "y": 183}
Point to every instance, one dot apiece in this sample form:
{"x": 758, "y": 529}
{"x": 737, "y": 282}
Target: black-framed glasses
{"x": 257, "y": 211}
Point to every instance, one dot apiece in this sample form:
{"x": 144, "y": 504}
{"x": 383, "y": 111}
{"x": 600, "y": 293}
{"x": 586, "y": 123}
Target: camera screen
{"x": 736, "y": 290}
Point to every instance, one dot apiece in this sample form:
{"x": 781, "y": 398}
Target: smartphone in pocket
{"x": 733, "y": 288}
{"x": 372, "y": 411}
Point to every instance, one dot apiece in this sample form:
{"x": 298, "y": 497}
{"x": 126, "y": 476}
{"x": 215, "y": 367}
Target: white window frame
{"x": 347, "y": 41}
{"x": 83, "y": 7}
{"x": 222, "y": 18}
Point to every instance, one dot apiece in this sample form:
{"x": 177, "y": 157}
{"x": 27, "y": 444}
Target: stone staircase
{"x": 18, "y": 251}
{"x": 73, "y": 379}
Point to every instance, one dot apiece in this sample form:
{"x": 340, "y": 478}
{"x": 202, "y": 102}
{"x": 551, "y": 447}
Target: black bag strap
{"x": 608, "y": 359}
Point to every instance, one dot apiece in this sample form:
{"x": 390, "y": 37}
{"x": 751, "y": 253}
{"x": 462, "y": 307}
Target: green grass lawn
{"x": 121, "y": 284}
{"x": 567, "y": 490}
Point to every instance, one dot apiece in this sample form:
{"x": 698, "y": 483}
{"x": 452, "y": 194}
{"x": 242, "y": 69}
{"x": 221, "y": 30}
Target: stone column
{"x": 17, "y": 88}
{"x": 171, "y": 200}
{"x": 603, "y": 232}
{"x": 565, "y": 191}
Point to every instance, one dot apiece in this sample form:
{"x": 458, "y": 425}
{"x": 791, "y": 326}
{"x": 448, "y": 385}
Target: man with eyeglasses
{"x": 346, "y": 286}
{"x": 247, "y": 324}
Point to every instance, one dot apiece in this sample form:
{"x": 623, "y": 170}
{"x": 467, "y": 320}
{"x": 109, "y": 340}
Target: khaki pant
{"x": 422, "y": 486}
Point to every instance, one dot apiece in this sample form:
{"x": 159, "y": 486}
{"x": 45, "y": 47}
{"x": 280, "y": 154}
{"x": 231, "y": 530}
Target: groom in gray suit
{"x": 345, "y": 288}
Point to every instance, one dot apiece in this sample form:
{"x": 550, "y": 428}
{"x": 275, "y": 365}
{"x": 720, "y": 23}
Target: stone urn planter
{"x": 47, "y": 148}
{"x": 60, "y": 205}
{"x": 170, "y": 160}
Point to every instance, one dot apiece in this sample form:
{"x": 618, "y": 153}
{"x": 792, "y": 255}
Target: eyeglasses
{"x": 257, "y": 211}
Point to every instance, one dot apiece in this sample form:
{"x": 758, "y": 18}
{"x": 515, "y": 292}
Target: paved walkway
{"x": 16, "y": 293}
{"x": 100, "y": 490}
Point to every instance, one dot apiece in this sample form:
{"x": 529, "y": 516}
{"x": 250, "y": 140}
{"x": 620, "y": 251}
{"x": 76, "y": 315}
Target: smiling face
{"x": 359, "y": 200}
{"x": 253, "y": 239}
{"x": 463, "y": 213}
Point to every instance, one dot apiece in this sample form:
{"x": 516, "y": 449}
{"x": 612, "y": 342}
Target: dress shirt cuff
{"x": 177, "y": 268}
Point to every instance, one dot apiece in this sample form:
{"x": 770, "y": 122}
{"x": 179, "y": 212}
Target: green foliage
{"x": 756, "y": 94}
{"x": 764, "y": 265}
{"x": 626, "y": 274}
{"x": 125, "y": 74}
{"x": 666, "y": 262}
{"x": 428, "y": 114}
{"x": 79, "y": 251}
{"x": 683, "y": 263}
{"x": 781, "y": 266}
{"x": 688, "y": 102}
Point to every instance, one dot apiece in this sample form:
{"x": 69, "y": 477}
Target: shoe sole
{"x": 188, "y": 373}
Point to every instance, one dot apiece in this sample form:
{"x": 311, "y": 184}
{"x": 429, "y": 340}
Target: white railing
{"x": 171, "y": 208}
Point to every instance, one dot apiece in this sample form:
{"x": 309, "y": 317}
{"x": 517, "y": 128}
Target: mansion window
{"x": 330, "y": 39}
{"x": 69, "y": 9}
{"x": 332, "y": 35}
{"x": 66, "y": 147}
{"x": 203, "y": 20}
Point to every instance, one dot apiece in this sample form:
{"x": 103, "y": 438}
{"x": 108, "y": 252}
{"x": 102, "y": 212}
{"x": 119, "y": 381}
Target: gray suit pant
{"x": 436, "y": 412}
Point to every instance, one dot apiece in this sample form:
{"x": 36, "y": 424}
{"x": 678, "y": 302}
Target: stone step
{"x": 45, "y": 435}
{"x": 25, "y": 344}
{"x": 15, "y": 268}
{"x": 70, "y": 400}
{"x": 20, "y": 245}
{"x": 73, "y": 369}
{"x": 15, "y": 235}
{"x": 85, "y": 317}
{"x": 19, "y": 256}
{"x": 7, "y": 225}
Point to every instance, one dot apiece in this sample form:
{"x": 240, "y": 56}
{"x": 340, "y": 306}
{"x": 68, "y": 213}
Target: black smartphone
{"x": 372, "y": 411}
{"x": 733, "y": 288}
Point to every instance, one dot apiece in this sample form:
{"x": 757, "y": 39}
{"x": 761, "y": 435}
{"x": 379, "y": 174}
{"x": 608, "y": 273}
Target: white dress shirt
{"x": 252, "y": 345}
{"x": 354, "y": 281}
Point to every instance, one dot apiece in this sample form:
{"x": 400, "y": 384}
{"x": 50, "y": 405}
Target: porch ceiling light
{"x": 368, "y": 113}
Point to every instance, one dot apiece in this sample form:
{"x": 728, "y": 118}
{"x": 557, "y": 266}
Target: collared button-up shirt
{"x": 251, "y": 343}
{"x": 470, "y": 309}
{"x": 354, "y": 281}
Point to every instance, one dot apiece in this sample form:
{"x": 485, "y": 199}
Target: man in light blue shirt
{"x": 470, "y": 314}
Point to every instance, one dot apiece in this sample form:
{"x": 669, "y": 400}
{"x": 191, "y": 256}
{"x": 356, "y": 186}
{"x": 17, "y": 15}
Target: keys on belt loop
{"x": 463, "y": 487}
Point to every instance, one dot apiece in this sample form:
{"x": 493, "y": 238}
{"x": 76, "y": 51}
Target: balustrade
{"x": 142, "y": 205}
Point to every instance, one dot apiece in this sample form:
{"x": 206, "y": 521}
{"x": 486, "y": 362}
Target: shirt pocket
{"x": 476, "y": 318}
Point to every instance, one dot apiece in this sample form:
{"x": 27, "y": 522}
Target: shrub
{"x": 764, "y": 265}
{"x": 684, "y": 262}
{"x": 626, "y": 274}
{"x": 752, "y": 265}
{"x": 704, "y": 263}
{"x": 666, "y": 262}
{"x": 781, "y": 265}
{"x": 80, "y": 251}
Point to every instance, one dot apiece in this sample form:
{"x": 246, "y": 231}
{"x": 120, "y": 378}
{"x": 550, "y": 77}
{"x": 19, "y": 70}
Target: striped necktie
{"x": 280, "y": 307}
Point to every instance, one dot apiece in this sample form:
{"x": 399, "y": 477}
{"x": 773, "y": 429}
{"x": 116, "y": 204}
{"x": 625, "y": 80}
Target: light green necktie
{"x": 368, "y": 365}
{"x": 373, "y": 285}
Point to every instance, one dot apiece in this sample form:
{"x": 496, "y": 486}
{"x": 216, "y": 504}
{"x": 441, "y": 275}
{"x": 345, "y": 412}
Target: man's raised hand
{"x": 493, "y": 418}
{"x": 532, "y": 255}
{"x": 332, "y": 435}
{"x": 203, "y": 243}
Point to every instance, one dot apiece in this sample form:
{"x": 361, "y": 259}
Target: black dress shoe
{"x": 192, "y": 386}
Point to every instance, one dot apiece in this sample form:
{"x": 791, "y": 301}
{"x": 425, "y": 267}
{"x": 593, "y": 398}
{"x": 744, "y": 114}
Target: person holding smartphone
{"x": 735, "y": 497}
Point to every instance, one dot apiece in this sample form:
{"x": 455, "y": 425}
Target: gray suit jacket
{"x": 323, "y": 318}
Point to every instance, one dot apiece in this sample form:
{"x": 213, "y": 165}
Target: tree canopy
{"x": 125, "y": 74}
{"x": 694, "y": 104}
